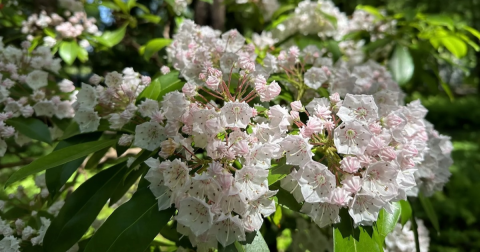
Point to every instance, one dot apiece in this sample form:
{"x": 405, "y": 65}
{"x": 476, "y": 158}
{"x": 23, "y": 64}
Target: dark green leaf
{"x": 285, "y": 198}
{"x": 73, "y": 129}
{"x": 125, "y": 184}
{"x": 95, "y": 158}
{"x": 401, "y": 64}
{"x": 111, "y": 38}
{"x": 59, "y": 157}
{"x": 80, "y": 210}
{"x": 132, "y": 226}
{"x": 57, "y": 176}
{"x": 427, "y": 206}
{"x": 346, "y": 238}
{"x": 31, "y": 127}
{"x": 377, "y": 44}
{"x": 68, "y": 51}
{"x": 406, "y": 212}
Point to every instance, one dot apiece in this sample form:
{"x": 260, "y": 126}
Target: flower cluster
{"x": 114, "y": 101}
{"x": 402, "y": 238}
{"x": 318, "y": 17}
{"x": 72, "y": 24}
{"x": 25, "y": 89}
{"x": 31, "y": 226}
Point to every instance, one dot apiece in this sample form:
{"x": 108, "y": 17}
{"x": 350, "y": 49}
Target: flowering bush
{"x": 215, "y": 144}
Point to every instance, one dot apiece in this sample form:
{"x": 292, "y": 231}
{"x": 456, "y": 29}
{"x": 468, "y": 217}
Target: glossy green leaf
{"x": 155, "y": 45}
{"x": 82, "y": 54}
{"x": 95, "y": 158}
{"x": 386, "y": 222}
{"x": 31, "y": 127}
{"x": 59, "y": 157}
{"x": 80, "y": 210}
{"x": 56, "y": 177}
{"x": 401, "y": 64}
{"x": 277, "y": 216}
{"x": 111, "y": 38}
{"x": 168, "y": 83}
{"x": 68, "y": 51}
{"x": 346, "y": 238}
{"x": 455, "y": 45}
{"x": 406, "y": 212}
{"x": 151, "y": 91}
{"x": 427, "y": 206}
{"x": 132, "y": 226}
{"x": 50, "y": 32}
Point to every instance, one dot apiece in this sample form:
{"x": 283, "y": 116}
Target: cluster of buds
{"x": 25, "y": 90}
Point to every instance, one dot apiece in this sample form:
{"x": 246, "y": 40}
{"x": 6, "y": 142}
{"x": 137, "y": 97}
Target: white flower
{"x": 228, "y": 229}
{"x": 148, "y": 107}
{"x": 149, "y": 135}
{"x": 37, "y": 79}
{"x": 113, "y": 79}
{"x": 351, "y": 138}
{"x": 323, "y": 214}
{"x": 252, "y": 182}
{"x": 236, "y": 114}
{"x": 317, "y": 182}
{"x": 358, "y": 107}
{"x": 298, "y": 150}
{"x": 44, "y": 108}
{"x": 315, "y": 77}
{"x": 87, "y": 96}
{"x": 87, "y": 119}
{"x": 38, "y": 240}
{"x": 195, "y": 214}
{"x": 10, "y": 244}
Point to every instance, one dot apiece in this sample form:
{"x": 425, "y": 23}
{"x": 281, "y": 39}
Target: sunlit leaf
{"x": 401, "y": 64}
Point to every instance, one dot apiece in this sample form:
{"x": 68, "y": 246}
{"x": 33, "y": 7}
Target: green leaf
{"x": 377, "y": 44}
{"x": 168, "y": 83}
{"x": 282, "y": 10}
{"x": 56, "y": 177}
{"x": 80, "y": 210}
{"x": 31, "y": 127}
{"x": 427, "y": 206}
{"x": 278, "y": 172}
{"x": 95, "y": 158}
{"x": 346, "y": 238}
{"x": 277, "y": 216}
{"x": 472, "y": 31}
{"x": 443, "y": 20}
{"x": 73, "y": 129}
{"x": 372, "y": 10}
{"x": 386, "y": 222}
{"x": 132, "y": 226}
{"x": 125, "y": 184}
{"x": 406, "y": 212}
{"x": 59, "y": 157}
{"x": 155, "y": 45}
{"x": 68, "y": 51}
{"x": 401, "y": 65}
{"x": 285, "y": 198}
{"x": 50, "y": 32}
{"x": 151, "y": 18}
{"x": 455, "y": 45}
{"x": 257, "y": 245}
{"x": 111, "y": 38}
{"x": 82, "y": 54}
{"x": 207, "y": 1}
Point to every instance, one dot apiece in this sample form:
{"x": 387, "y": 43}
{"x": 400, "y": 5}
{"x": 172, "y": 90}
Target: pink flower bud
{"x": 350, "y": 164}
